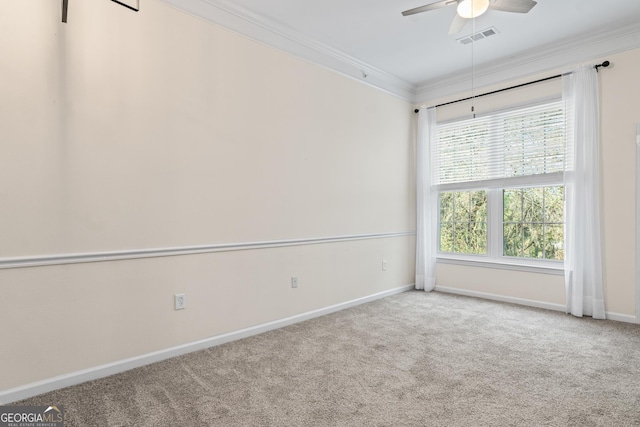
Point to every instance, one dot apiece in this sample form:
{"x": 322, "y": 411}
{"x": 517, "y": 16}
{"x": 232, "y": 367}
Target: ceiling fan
{"x": 468, "y": 9}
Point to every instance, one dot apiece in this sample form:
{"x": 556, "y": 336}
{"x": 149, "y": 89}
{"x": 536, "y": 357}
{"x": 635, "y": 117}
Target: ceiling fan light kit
{"x": 472, "y": 8}
{"x": 469, "y": 9}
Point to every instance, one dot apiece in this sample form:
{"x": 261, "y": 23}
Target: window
{"x": 463, "y": 222}
{"x": 533, "y": 224}
{"x": 500, "y": 185}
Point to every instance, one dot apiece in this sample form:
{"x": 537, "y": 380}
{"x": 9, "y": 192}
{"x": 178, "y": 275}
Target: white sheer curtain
{"x": 426, "y": 202}
{"x": 583, "y": 245}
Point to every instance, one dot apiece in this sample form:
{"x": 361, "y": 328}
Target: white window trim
{"x": 494, "y": 256}
{"x": 541, "y": 180}
{"x": 541, "y": 266}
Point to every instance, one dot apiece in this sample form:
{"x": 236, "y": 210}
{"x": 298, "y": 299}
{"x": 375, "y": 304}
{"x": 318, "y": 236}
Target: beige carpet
{"x": 414, "y": 359}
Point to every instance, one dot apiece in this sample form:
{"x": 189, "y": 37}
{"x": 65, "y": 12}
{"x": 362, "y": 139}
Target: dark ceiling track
{"x": 605, "y": 64}
{"x": 65, "y": 8}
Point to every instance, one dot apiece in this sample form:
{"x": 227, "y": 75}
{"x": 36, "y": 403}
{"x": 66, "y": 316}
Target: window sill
{"x": 553, "y": 268}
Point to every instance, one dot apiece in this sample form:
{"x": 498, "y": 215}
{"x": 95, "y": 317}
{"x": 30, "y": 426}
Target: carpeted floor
{"x": 414, "y": 359}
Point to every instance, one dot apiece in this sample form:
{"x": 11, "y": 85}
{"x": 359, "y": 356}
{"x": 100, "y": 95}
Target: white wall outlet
{"x": 384, "y": 265}
{"x": 294, "y": 282}
{"x": 180, "y": 301}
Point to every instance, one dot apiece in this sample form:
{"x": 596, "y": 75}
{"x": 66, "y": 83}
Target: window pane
{"x": 533, "y": 241}
{"x": 461, "y": 238}
{"x": 446, "y": 237}
{"x": 532, "y": 205}
{"x": 463, "y": 222}
{"x": 461, "y": 207}
{"x": 462, "y": 151}
{"x": 512, "y": 240}
{"x": 478, "y": 236}
{"x": 512, "y": 205}
{"x": 554, "y": 242}
{"x": 479, "y": 206}
{"x": 446, "y": 207}
{"x": 554, "y": 204}
{"x": 533, "y": 222}
{"x": 533, "y": 142}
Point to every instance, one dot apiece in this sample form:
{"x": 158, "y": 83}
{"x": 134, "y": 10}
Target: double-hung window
{"x": 500, "y": 186}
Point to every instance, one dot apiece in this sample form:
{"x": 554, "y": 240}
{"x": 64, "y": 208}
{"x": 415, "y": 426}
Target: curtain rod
{"x": 605, "y": 64}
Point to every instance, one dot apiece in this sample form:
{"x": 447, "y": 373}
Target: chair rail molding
{"x": 78, "y": 258}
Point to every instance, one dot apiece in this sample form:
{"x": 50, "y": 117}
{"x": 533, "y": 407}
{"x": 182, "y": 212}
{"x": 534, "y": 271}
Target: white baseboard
{"x": 529, "y": 303}
{"x": 36, "y": 388}
{"x": 621, "y": 317}
{"x": 502, "y": 298}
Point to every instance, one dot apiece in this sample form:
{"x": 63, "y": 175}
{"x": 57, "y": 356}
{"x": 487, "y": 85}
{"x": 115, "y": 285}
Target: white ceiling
{"x": 414, "y": 57}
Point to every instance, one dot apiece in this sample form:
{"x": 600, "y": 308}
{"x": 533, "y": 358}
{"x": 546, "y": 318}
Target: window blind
{"x": 502, "y": 147}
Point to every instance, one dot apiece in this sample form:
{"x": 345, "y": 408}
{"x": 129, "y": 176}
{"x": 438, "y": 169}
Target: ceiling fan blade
{"x": 457, "y": 24}
{"x": 427, "y": 7}
{"x": 517, "y": 6}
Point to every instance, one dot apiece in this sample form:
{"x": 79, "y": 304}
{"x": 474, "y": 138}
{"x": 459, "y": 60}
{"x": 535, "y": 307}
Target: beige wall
{"x": 620, "y": 90}
{"x": 123, "y": 131}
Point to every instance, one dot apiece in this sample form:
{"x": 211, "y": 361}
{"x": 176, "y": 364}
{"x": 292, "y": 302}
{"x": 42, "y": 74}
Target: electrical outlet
{"x": 294, "y": 282}
{"x": 384, "y": 265}
{"x": 180, "y": 301}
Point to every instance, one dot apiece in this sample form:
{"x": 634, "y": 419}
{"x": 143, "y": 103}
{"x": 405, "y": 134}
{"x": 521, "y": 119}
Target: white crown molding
{"x": 279, "y": 36}
{"x": 549, "y": 57}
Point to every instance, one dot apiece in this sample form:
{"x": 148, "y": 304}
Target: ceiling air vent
{"x": 491, "y": 31}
